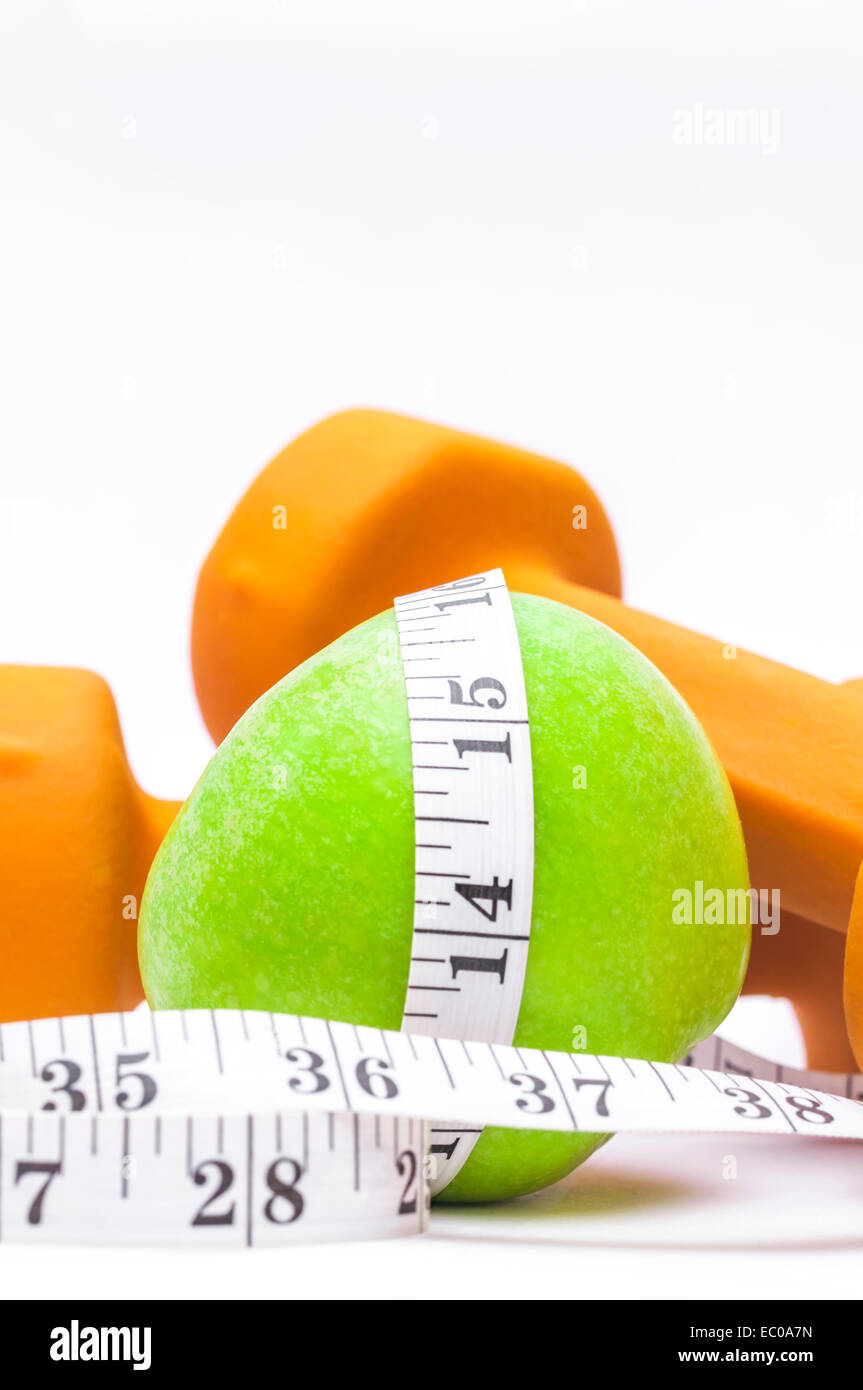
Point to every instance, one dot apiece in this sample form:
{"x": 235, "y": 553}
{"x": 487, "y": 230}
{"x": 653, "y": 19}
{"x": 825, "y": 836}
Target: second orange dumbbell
{"x": 78, "y": 838}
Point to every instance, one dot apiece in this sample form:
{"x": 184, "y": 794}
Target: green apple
{"x": 286, "y": 883}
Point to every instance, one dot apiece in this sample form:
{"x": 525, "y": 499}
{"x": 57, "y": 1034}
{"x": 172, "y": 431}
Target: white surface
{"x": 220, "y": 222}
{"x": 646, "y": 1218}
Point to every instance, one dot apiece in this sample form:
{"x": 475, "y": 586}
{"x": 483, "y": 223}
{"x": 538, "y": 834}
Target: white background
{"x": 223, "y": 221}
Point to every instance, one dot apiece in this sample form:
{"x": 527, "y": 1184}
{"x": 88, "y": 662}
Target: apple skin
{"x": 286, "y": 883}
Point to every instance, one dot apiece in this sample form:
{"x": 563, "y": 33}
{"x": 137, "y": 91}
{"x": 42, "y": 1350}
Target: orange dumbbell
{"x": 367, "y": 505}
{"x": 78, "y": 838}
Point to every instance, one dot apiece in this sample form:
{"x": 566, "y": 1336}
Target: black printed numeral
{"x": 224, "y": 1183}
{"x": 458, "y": 602}
{"x": 376, "y": 1083}
{"x": 406, "y": 1163}
{"x": 77, "y": 1099}
{"x": 535, "y": 1088}
{"x": 480, "y": 964}
{"x": 751, "y": 1107}
{"x": 484, "y": 745}
{"x": 446, "y": 1149}
{"x": 455, "y": 584}
{"x": 604, "y": 1084}
{"x": 810, "y": 1110}
{"x": 284, "y": 1192}
{"x": 478, "y": 893}
{"x": 23, "y": 1168}
{"x": 147, "y": 1092}
{"x": 496, "y": 701}
{"x": 312, "y": 1070}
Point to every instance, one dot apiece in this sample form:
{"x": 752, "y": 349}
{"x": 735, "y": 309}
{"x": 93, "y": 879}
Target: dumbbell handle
{"x": 791, "y": 744}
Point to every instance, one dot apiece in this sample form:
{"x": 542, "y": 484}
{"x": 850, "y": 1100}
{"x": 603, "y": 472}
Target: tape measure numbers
{"x": 251, "y": 1128}
{"x": 167, "y": 1127}
{"x": 473, "y": 812}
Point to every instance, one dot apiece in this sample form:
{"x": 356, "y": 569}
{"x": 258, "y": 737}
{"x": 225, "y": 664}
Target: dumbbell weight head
{"x": 364, "y": 506}
{"x": 78, "y": 838}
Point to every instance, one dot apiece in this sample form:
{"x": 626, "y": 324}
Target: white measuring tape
{"x": 473, "y": 812}
{"x": 254, "y": 1128}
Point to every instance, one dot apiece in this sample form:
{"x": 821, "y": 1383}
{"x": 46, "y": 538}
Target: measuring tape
{"x": 473, "y": 812}
{"x": 252, "y": 1128}
{"x": 214, "y": 1127}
